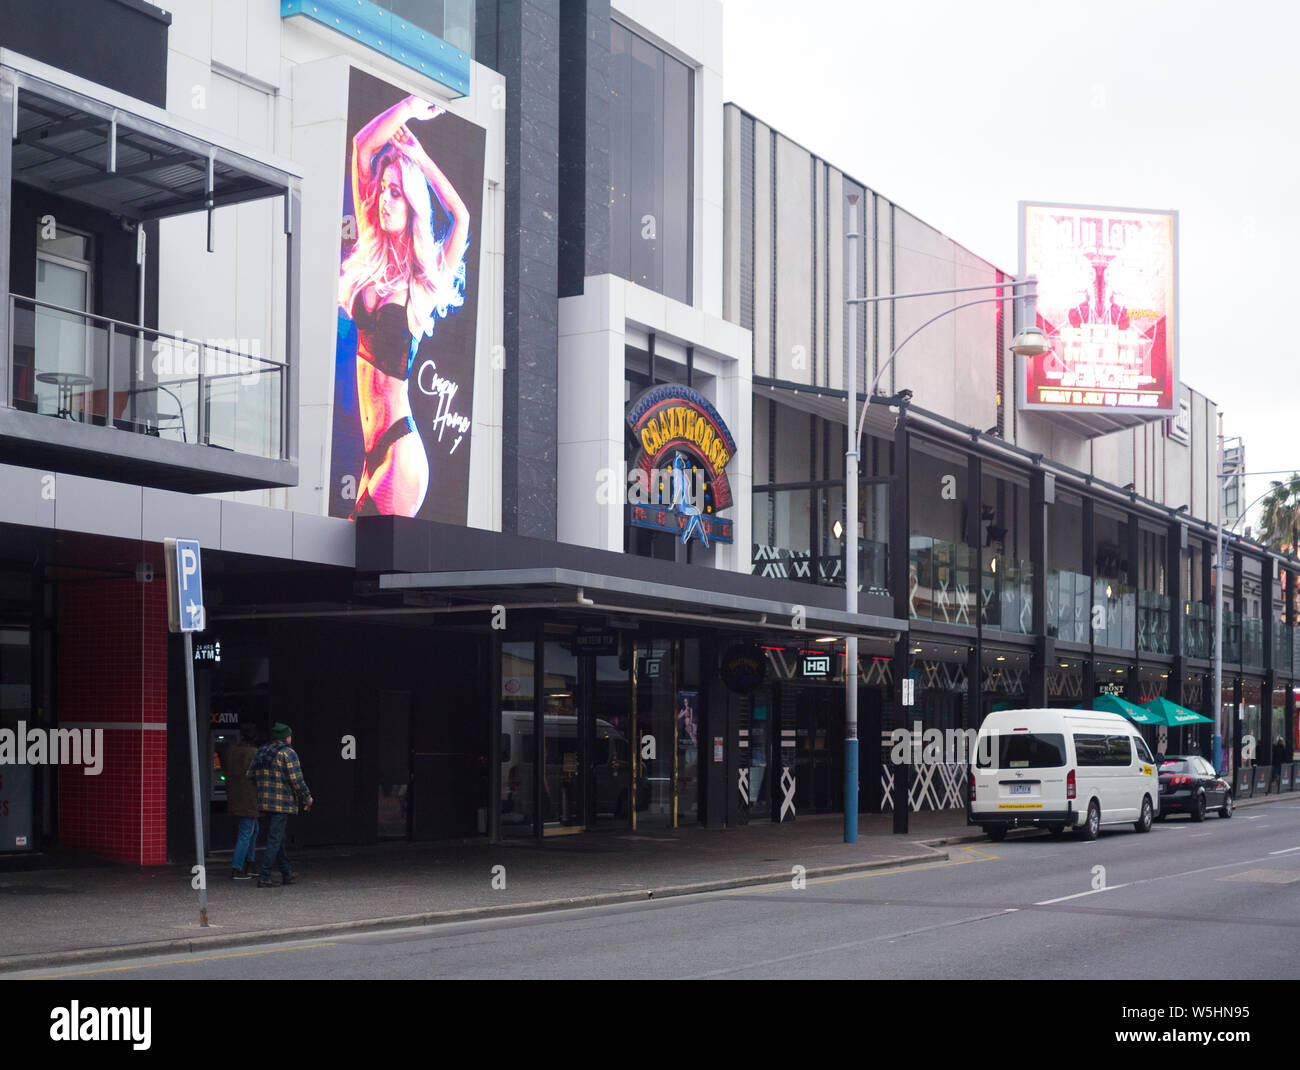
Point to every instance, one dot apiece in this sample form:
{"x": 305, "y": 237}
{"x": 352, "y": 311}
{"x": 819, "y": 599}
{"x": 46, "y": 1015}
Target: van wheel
{"x": 1198, "y": 808}
{"x": 996, "y": 833}
{"x": 1226, "y": 809}
{"x": 1091, "y": 828}
{"x": 1143, "y": 823}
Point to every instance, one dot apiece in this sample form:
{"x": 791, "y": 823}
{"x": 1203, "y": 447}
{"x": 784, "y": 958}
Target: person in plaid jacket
{"x": 281, "y": 790}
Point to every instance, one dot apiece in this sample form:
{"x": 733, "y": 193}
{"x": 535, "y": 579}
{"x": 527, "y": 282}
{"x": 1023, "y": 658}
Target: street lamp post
{"x": 1030, "y": 341}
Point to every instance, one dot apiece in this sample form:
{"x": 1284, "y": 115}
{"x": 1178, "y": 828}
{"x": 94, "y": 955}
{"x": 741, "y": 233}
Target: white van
{"x": 1059, "y": 769}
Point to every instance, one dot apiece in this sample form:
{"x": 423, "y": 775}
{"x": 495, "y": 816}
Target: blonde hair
{"x": 414, "y": 259}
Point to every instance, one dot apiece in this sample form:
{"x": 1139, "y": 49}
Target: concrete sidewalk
{"x": 73, "y": 908}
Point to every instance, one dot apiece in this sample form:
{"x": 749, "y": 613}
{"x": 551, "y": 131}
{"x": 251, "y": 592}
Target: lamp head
{"x": 1031, "y": 342}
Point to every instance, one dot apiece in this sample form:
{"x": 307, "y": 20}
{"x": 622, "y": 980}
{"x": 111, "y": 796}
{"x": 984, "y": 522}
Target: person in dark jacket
{"x": 281, "y": 790}
{"x": 1275, "y": 776}
{"x": 241, "y": 801}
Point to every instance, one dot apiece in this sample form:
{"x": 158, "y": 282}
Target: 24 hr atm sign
{"x": 677, "y": 480}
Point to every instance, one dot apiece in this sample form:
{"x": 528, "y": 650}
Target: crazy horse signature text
{"x": 446, "y": 418}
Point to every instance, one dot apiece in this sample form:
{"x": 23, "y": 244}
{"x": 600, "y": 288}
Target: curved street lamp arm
{"x": 876, "y": 381}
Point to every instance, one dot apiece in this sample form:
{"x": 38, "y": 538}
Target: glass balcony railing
{"x": 942, "y": 581}
{"x": 1007, "y": 596}
{"x": 90, "y": 369}
{"x": 1252, "y": 642}
{"x": 1069, "y": 609}
{"x": 1153, "y": 622}
{"x": 1118, "y": 619}
{"x": 1231, "y": 636}
{"x": 792, "y": 563}
{"x": 1198, "y": 630}
{"x": 1283, "y": 646}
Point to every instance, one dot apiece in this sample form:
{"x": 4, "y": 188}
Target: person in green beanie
{"x": 281, "y": 790}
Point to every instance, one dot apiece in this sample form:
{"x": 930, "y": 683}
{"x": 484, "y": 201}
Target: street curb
{"x": 265, "y": 936}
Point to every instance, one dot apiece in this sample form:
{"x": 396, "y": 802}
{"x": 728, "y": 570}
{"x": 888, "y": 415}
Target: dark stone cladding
{"x": 401, "y": 544}
{"x": 521, "y": 39}
{"x": 584, "y": 142}
{"x": 121, "y": 44}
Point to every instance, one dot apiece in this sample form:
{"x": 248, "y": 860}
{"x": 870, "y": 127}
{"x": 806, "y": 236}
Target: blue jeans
{"x": 246, "y": 845}
{"x": 274, "y": 854}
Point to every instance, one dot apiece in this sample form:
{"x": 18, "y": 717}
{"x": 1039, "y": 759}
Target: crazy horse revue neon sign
{"x": 677, "y": 481}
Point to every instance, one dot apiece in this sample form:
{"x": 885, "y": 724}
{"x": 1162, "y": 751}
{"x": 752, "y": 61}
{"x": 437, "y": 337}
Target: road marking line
{"x": 986, "y": 857}
{"x": 181, "y": 962}
{"x": 1080, "y": 895}
{"x": 1286, "y": 851}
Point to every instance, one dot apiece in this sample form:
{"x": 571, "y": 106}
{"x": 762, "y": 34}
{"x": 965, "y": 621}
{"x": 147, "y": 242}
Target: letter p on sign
{"x": 184, "y": 585}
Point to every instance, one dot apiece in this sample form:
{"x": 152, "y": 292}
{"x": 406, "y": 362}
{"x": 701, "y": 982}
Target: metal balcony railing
{"x": 96, "y": 370}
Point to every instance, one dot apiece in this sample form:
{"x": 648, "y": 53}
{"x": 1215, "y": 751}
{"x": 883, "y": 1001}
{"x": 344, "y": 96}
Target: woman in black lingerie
{"x": 396, "y": 283}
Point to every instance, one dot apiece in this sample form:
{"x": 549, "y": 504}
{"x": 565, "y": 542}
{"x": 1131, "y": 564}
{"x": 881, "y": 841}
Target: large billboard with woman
{"x": 407, "y": 307}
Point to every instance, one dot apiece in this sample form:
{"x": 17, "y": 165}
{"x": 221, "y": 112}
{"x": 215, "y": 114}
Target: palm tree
{"x": 1279, "y": 518}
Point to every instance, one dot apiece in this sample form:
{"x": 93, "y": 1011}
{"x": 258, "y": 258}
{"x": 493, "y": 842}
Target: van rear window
{"x": 1024, "y": 750}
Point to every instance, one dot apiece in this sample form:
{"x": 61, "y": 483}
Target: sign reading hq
{"x": 678, "y": 480}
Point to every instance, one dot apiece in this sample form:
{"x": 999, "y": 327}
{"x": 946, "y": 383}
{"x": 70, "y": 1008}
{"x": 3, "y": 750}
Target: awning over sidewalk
{"x": 489, "y": 568}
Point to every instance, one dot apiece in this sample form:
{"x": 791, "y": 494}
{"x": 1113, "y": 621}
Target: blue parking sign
{"x": 184, "y": 585}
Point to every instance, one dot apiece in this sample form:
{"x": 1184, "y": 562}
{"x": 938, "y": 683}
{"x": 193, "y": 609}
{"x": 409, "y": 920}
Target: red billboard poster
{"x": 407, "y": 305}
{"x": 1107, "y": 299}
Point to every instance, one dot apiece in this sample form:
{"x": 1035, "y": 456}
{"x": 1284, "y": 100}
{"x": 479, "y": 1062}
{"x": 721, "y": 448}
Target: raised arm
{"x": 458, "y": 237}
{"x": 371, "y": 138}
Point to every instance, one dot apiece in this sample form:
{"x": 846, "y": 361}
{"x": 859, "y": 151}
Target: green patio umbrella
{"x": 1172, "y": 714}
{"x": 1115, "y": 704}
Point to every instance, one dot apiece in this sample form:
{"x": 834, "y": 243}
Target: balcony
{"x": 1252, "y": 642}
{"x": 1198, "y": 630}
{"x": 1007, "y": 596}
{"x": 89, "y": 386}
{"x": 942, "y": 582}
{"x": 1069, "y": 609}
{"x": 1118, "y": 602}
{"x": 1284, "y": 641}
{"x": 93, "y": 370}
{"x": 1231, "y": 636}
{"x": 1153, "y": 623}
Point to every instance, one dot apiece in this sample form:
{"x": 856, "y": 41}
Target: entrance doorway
{"x": 819, "y": 753}
{"x": 585, "y": 749}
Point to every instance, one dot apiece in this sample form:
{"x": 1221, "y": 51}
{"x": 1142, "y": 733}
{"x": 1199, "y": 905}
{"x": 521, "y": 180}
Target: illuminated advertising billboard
{"x": 407, "y": 307}
{"x": 1107, "y": 299}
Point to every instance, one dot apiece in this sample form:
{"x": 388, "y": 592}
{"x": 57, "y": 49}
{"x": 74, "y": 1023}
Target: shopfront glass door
{"x": 656, "y": 734}
{"x": 565, "y": 718}
{"x": 607, "y": 694}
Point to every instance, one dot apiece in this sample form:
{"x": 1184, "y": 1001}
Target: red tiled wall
{"x": 112, "y": 666}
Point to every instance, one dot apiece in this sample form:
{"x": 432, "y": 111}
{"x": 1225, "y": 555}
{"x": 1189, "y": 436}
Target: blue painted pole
{"x": 851, "y": 791}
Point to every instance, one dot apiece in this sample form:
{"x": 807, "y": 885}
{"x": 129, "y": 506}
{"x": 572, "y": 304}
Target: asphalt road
{"x": 1217, "y": 901}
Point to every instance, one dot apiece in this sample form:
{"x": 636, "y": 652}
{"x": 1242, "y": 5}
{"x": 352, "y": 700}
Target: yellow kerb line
{"x": 179, "y": 962}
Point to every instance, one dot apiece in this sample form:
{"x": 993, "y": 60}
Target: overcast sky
{"x": 956, "y": 111}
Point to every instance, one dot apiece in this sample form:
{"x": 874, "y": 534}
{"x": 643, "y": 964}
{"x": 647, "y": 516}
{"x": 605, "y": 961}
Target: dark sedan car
{"x": 1189, "y": 785}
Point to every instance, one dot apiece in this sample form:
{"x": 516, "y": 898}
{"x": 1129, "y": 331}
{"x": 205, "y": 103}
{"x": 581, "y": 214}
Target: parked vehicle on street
{"x": 1061, "y": 769}
{"x": 1189, "y": 785}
